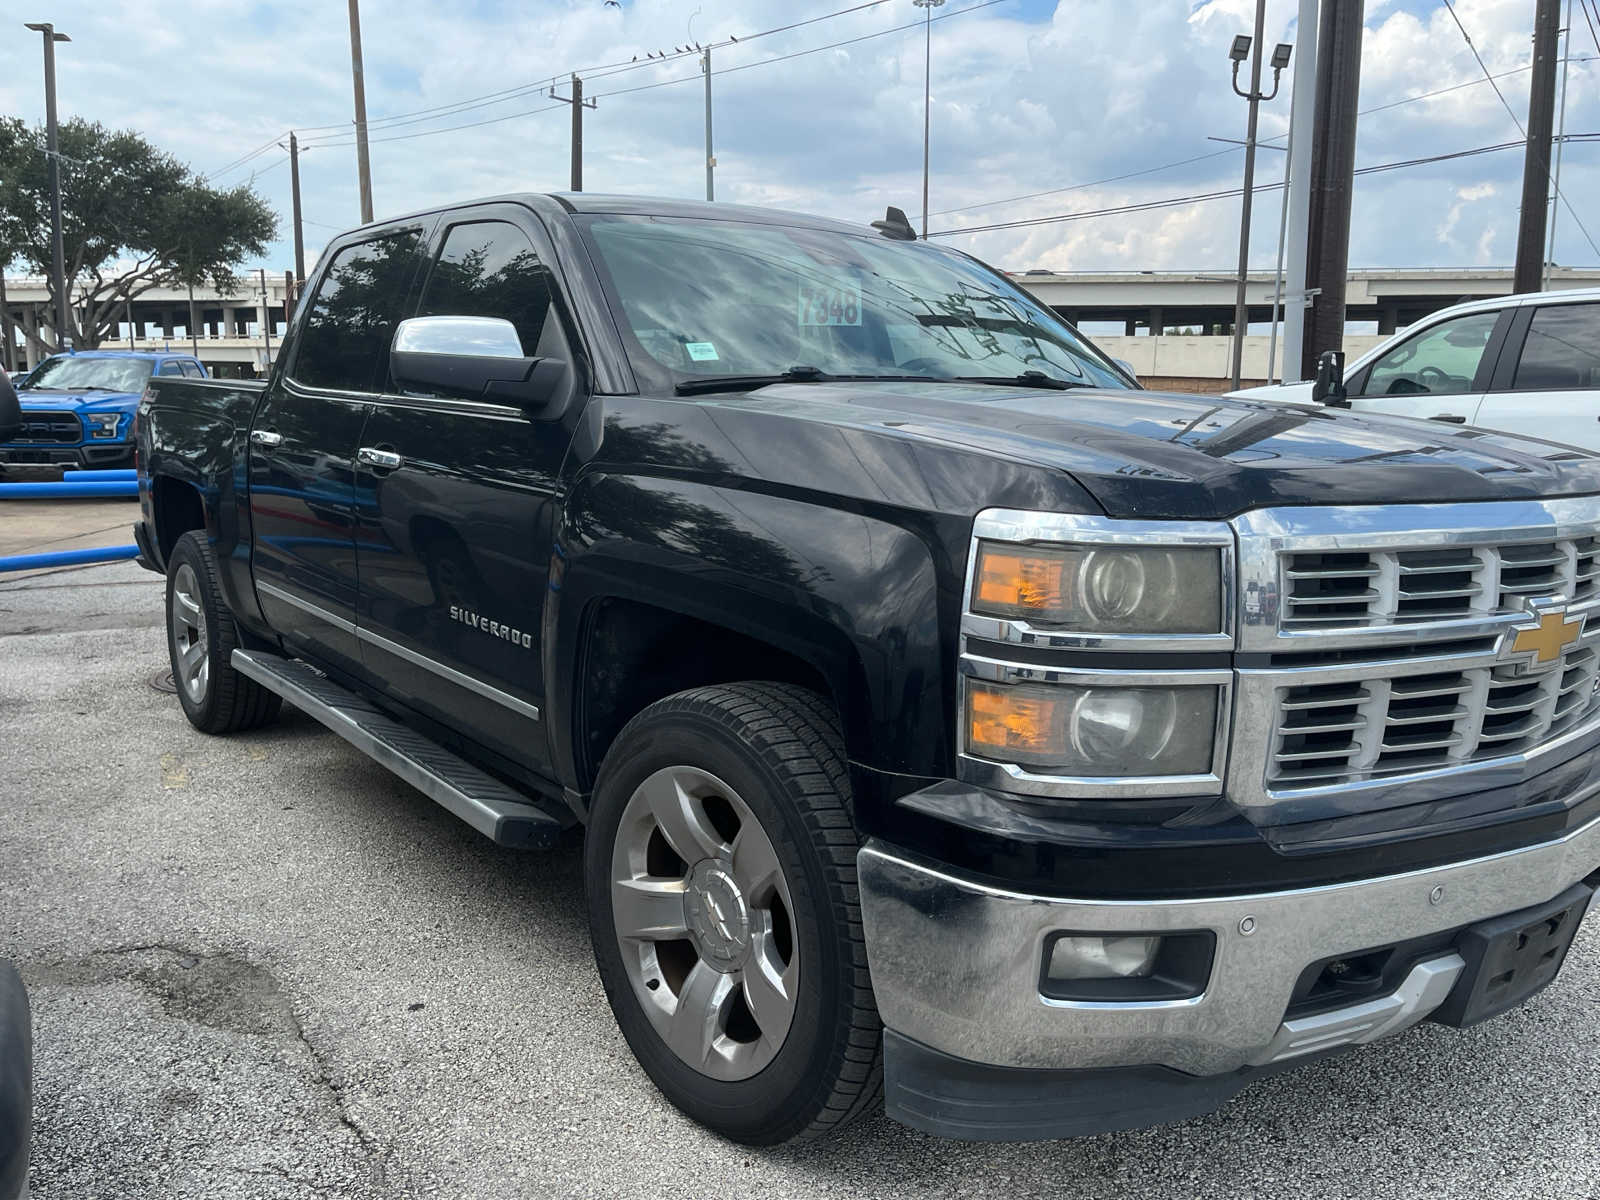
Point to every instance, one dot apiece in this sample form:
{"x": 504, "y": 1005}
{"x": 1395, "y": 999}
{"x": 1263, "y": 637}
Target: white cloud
{"x": 1025, "y": 98}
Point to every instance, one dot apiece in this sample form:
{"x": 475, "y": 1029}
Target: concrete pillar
{"x": 1388, "y": 318}
{"x": 1158, "y": 322}
{"x": 1130, "y": 327}
{"x": 166, "y": 322}
{"x": 227, "y": 320}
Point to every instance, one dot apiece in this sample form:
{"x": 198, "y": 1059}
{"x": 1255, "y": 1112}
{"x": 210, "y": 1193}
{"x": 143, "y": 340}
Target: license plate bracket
{"x": 1510, "y": 958}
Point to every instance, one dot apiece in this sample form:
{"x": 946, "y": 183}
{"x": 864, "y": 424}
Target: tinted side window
{"x": 1441, "y": 360}
{"x": 193, "y": 370}
{"x": 344, "y": 342}
{"x": 489, "y": 269}
{"x": 1562, "y": 350}
{"x": 171, "y": 367}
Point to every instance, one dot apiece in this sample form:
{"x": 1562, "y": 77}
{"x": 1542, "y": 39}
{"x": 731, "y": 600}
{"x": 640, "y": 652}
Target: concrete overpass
{"x": 1176, "y": 327}
{"x": 229, "y": 328}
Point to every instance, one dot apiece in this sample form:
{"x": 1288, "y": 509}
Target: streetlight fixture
{"x": 1244, "y": 47}
{"x": 927, "y": 7}
{"x": 58, "y": 259}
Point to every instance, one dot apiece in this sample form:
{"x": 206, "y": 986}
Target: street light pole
{"x": 58, "y": 258}
{"x": 1242, "y": 47}
{"x": 927, "y": 7}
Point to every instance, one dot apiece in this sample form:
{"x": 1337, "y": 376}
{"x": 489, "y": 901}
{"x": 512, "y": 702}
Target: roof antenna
{"x": 895, "y": 225}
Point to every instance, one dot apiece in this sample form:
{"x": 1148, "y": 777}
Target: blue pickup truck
{"x": 77, "y": 409}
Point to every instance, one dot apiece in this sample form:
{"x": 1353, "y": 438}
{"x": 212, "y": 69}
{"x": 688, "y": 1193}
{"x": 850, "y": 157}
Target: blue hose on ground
{"x": 69, "y": 490}
{"x": 67, "y": 558}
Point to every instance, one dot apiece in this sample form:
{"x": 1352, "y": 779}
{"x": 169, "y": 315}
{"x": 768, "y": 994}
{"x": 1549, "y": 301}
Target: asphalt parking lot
{"x": 263, "y": 967}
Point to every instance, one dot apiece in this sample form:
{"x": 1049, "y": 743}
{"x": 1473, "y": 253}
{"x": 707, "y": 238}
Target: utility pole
{"x": 927, "y": 7}
{"x": 294, "y": 201}
{"x": 7, "y": 350}
{"x": 363, "y": 163}
{"x": 578, "y": 105}
{"x": 1251, "y": 46}
{"x": 266, "y": 317}
{"x": 1555, "y": 175}
{"x": 131, "y": 346}
{"x": 1302, "y": 122}
{"x": 1536, "y": 159}
{"x": 1333, "y": 164}
{"x": 58, "y": 258}
{"x": 194, "y": 334}
{"x": 711, "y": 162}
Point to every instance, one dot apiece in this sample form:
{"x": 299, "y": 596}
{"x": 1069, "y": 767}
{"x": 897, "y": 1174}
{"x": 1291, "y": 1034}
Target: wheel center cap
{"x": 717, "y": 916}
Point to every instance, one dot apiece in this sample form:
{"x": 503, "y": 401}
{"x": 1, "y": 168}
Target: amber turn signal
{"x": 1013, "y": 724}
{"x": 1021, "y": 581}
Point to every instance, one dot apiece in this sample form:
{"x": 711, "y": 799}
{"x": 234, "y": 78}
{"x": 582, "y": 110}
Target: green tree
{"x": 132, "y": 218}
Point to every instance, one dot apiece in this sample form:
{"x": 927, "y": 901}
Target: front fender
{"x": 856, "y": 595}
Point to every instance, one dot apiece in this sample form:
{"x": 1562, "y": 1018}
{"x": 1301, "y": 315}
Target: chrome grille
{"x": 46, "y": 428}
{"x": 1331, "y": 733}
{"x": 1329, "y": 590}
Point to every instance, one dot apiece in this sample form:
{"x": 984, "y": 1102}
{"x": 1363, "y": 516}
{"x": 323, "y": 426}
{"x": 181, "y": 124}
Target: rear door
{"x": 303, "y": 502}
{"x": 1439, "y": 373}
{"x": 1550, "y": 388}
{"x": 454, "y": 548}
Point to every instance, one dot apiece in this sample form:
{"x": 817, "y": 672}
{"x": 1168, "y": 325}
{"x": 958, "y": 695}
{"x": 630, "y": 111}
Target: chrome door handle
{"x": 265, "y": 437}
{"x": 388, "y": 460}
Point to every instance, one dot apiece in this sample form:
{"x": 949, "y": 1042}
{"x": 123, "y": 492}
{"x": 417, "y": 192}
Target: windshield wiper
{"x": 98, "y": 387}
{"x": 1036, "y": 379}
{"x": 801, "y": 374}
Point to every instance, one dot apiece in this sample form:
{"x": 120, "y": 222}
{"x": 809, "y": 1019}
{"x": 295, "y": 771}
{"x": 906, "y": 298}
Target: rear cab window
{"x": 1562, "y": 349}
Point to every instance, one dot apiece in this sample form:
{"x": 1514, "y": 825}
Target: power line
{"x": 1590, "y": 22}
{"x": 1577, "y": 220}
{"x": 1225, "y": 193}
{"x": 588, "y": 73}
{"x": 1183, "y": 162}
{"x": 681, "y": 79}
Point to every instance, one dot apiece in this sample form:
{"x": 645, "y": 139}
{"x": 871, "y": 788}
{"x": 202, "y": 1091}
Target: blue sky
{"x": 1028, "y": 96}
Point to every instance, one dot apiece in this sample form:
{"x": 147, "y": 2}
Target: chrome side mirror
{"x": 469, "y": 337}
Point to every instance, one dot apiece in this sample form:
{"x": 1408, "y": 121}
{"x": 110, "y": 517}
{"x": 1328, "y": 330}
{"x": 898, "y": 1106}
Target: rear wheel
{"x": 720, "y": 871}
{"x": 201, "y": 638}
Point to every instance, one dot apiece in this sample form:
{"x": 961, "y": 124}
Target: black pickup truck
{"x": 946, "y": 717}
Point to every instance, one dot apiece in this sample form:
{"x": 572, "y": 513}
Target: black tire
{"x": 228, "y": 702}
{"x": 16, "y": 1084}
{"x": 778, "y": 746}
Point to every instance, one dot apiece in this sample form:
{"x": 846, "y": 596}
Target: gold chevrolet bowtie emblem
{"x": 1552, "y": 632}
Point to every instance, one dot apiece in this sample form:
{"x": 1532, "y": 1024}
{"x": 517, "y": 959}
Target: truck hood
{"x": 79, "y": 402}
{"x": 1166, "y": 456}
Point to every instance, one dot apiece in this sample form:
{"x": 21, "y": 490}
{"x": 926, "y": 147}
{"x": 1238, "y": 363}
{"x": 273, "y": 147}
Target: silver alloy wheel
{"x": 192, "y": 661}
{"x": 704, "y": 921}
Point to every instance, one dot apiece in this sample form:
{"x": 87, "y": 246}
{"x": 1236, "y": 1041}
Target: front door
{"x": 303, "y": 442}
{"x": 454, "y": 551}
{"x": 1438, "y": 373}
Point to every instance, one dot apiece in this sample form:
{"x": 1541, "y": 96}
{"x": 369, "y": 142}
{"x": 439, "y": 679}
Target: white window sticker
{"x": 701, "y": 351}
{"x": 830, "y": 304}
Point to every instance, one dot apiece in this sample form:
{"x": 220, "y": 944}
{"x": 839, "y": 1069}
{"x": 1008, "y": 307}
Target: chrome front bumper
{"x": 956, "y": 965}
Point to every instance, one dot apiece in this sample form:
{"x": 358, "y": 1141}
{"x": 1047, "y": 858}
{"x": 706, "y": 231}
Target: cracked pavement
{"x": 262, "y": 967}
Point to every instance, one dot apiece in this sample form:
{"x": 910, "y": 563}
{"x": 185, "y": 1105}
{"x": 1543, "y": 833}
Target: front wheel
{"x": 720, "y": 872}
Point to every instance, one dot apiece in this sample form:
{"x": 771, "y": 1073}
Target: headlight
{"x": 103, "y": 425}
{"x": 1065, "y": 729}
{"x": 1102, "y": 589}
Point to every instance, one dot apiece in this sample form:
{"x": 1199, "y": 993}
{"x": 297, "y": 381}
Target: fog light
{"x": 1077, "y": 956}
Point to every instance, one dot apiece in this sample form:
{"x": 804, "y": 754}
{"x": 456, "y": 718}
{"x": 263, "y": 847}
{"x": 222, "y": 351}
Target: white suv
{"x": 1527, "y": 364}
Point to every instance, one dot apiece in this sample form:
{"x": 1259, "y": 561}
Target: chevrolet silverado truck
{"x": 945, "y": 717}
{"x": 77, "y": 409}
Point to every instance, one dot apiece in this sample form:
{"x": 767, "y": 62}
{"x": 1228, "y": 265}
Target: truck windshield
{"x": 88, "y": 373}
{"x": 709, "y": 298}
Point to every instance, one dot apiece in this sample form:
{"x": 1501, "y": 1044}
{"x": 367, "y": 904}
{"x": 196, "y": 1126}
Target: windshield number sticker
{"x": 822, "y": 304}
{"x": 701, "y": 351}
